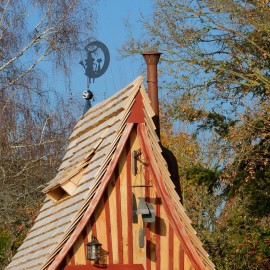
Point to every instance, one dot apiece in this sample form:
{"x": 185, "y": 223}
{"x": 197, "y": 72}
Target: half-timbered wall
{"x": 117, "y": 228}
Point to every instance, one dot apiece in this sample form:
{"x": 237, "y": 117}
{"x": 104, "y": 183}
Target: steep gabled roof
{"x": 91, "y": 146}
{"x": 94, "y": 148}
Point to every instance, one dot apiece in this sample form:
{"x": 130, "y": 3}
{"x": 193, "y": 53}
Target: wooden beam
{"x": 171, "y": 247}
{"x": 182, "y": 258}
{"x": 129, "y": 200}
{"x": 119, "y": 218}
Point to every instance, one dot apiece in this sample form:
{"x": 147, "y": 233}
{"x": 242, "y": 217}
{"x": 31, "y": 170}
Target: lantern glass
{"x": 93, "y": 249}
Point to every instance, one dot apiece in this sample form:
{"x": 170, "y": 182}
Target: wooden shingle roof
{"x": 80, "y": 180}
{"x": 98, "y": 133}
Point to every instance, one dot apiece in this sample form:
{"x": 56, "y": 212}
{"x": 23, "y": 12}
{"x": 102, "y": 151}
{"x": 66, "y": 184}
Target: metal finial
{"x": 87, "y": 95}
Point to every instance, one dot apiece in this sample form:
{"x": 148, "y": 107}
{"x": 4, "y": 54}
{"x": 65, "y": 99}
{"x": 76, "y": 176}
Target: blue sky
{"x": 111, "y": 30}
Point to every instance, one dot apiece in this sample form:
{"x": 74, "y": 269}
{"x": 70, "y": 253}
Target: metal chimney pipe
{"x": 152, "y": 58}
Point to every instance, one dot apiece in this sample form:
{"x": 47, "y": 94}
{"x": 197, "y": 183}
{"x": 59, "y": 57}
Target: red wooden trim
{"x": 136, "y": 112}
{"x": 147, "y": 229}
{"x": 182, "y": 258}
{"x": 170, "y": 247}
{"x": 93, "y": 204}
{"x": 129, "y": 200}
{"x": 157, "y": 231}
{"x": 148, "y": 247}
{"x": 107, "y": 266}
{"x": 166, "y": 200}
{"x": 118, "y": 213}
{"x": 108, "y": 225}
{"x": 147, "y": 182}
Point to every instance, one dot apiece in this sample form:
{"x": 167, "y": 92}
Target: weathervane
{"x": 95, "y": 65}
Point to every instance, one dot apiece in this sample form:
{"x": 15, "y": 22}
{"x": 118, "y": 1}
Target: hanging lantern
{"x": 93, "y": 250}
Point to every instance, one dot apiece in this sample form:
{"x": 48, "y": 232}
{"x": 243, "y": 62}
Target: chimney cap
{"x": 151, "y": 57}
{"x": 151, "y": 52}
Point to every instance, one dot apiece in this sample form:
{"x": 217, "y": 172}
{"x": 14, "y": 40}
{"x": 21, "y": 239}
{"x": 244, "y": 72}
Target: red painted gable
{"x": 136, "y": 112}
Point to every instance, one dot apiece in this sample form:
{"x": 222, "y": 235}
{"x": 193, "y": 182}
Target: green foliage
{"x": 217, "y": 122}
{"x": 234, "y": 238}
{"x": 13, "y": 234}
{"x": 240, "y": 241}
{"x": 5, "y": 243}
{"x": 204, "y": 176}
{"x": 253, "y": 180}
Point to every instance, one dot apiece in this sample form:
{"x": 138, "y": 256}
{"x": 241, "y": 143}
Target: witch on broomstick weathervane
{"x": 95, "y": 65}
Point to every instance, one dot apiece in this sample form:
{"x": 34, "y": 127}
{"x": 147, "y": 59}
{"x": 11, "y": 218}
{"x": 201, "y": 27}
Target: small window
{"x": 57, "y": 194}
{"x": 68, "y": 182}
{"x": 65, "y": 188}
